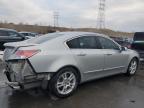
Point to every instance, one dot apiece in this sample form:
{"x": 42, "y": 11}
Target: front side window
{"x": 107, "y": 43}
{"x": 3, "y": 33}
{"x": 85, "y": 42}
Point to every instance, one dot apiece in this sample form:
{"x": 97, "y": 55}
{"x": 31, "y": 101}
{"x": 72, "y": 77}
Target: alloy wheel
{"x": 66, "y": 83}
{"x": 133, "y": 67}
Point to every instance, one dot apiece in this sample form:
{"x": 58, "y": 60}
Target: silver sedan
{"x": 59, "y": 62}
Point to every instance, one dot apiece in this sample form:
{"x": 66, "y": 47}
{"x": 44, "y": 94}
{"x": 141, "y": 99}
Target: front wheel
{"x": 132, "y": 68}
{"x": 64, "y": 83}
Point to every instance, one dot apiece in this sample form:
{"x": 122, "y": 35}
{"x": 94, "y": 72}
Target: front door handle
{"x": 108, "y": 54}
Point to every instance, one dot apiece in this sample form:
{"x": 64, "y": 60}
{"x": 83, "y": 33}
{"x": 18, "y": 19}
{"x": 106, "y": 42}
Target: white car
{"x": 61, "y": 61}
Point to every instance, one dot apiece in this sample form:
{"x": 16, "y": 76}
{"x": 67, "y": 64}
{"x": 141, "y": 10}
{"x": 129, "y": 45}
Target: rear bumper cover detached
{"x": 27, "y": 84}
{"x": 24, "y": 77}
{"x": 14, "y": 85}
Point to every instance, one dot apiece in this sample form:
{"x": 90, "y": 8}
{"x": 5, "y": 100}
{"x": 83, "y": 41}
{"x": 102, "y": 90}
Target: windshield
{"x": 43, "y": 38}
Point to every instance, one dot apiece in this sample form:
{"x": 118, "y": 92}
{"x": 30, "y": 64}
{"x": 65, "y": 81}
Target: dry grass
{"x": 47, "y": 29}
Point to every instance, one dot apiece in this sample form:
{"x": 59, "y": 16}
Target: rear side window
{"x": 73, "y": 44}
{"x": 108, "y": 44}
{"x": 85, "y": 42}
{"x": 3, "y": 33}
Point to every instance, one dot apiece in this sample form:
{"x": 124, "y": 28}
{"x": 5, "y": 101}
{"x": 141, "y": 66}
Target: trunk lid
{"x": 19, "y": 44}
{"x": 11, "y": 48}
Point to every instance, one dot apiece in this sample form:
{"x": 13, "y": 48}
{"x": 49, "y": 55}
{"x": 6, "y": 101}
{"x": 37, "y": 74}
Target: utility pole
{"x": 101, "y": 14}
{"x": 56, "y": 19}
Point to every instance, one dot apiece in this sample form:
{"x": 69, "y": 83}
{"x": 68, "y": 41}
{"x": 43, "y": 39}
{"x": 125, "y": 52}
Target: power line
{"x": 56, "y": 19}
{"x": 101, "y": 14}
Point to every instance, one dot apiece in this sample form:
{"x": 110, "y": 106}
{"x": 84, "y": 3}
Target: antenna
{"x": 101, "y": 15}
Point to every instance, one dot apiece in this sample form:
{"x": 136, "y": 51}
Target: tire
{"x": 62, "y": 85}
{"x": 132, "y": 68}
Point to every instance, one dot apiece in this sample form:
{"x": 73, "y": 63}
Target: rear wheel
{"x": 132, "y": 67}
{"x": 64, "y": 83}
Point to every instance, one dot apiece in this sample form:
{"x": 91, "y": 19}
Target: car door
{"x": 115, "y": 59}
{"x": 88, "y": 55}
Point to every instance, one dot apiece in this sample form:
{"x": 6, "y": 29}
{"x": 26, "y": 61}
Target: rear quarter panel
{"x": 51, "y": 61}
{"x": 53, "y": 56}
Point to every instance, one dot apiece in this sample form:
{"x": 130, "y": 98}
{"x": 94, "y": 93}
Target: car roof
{"x": 63, "y": 37}
{"x": 6, "y": 29}
{"x": 75, "y": 34}
{"x": 26, "y": 32}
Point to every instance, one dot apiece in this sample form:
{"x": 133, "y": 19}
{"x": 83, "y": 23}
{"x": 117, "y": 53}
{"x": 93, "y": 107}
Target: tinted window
{"x": 13, "y": 34}
{"x": 30, "y": 34}
{"x": 25, "y": 34}
{"x": 138, "y": 46}
{"x": 86, "y": 42}
{"x": 73, "y": 43}
{"x": 139, "y": 36}
{"x": 107, "y": 44}
{"x": 3, "y": 33}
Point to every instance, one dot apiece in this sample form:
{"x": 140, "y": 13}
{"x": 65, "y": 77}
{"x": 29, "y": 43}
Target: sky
{"x": 121, "y": 15}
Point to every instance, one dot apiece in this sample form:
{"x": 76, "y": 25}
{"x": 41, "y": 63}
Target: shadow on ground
{"x": 113, "y": 92}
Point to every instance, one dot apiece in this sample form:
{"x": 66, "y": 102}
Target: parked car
{"x": 124, "y": 43}
{"x": 61, "y": 61}
{"x": 9, "y": 35}
{"x": 29, "y": 35}
{"x": 138, "y": 44}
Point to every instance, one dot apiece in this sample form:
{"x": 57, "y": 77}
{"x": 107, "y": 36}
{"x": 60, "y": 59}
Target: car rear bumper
{"x": 24, "y": 78}
{"x": 24, "y": 84}
{"x": 14, "y": 85}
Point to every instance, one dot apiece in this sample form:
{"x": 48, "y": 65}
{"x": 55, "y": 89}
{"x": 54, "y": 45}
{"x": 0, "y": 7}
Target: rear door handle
{"x": 81, "y": 54}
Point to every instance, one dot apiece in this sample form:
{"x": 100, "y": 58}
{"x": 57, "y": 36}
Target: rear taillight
{"x": 26, "y": 53}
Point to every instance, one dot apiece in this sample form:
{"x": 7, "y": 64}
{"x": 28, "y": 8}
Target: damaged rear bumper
{"x": 14, "y": 85}
{"x": 21, "y": 75}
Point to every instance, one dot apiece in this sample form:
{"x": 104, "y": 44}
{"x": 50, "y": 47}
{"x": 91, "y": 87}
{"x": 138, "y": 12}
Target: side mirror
{"x": 123, "y": 48}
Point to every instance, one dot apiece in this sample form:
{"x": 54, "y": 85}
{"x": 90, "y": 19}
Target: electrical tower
{"x": 56, "y": 19}
{"x": 101, "y": 14}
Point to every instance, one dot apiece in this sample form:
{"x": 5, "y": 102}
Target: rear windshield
{"x": 139, "y": 36}
{"x": 43, "y": 38}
